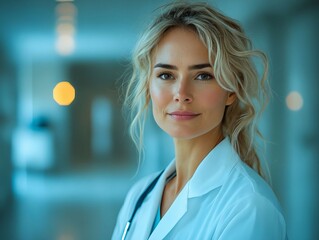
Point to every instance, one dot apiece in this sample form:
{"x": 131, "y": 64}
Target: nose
{"x": 183, "y": 93}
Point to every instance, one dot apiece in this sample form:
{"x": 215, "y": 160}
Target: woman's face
{"x": 186, "y": 99}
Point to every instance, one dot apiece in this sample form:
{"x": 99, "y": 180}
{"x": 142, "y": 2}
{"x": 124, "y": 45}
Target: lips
{"x": 183, "y": 115}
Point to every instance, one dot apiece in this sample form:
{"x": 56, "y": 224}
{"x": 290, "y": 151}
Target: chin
{"x": 183, "y": 135}
{"x": 187, "y": 133}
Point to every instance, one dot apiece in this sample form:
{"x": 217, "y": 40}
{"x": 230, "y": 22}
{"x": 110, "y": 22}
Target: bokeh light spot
{"x": 65, "y": 29}
{"x": 294, "y": 101}
{"x": 65, "y": 44}
{"x": 66, "y": 9}
{"x": 64, "y": 93}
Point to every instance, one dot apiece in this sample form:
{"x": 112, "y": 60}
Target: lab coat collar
{"x": 213, "y": 170}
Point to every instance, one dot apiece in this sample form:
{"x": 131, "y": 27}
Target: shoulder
{"x": 251, "y": 217}
{"x": 138, "y": 188}
{"x": 134, "y": 193}
{"x": 246, "y": 183}
{"x": 251, "y": 209}
{"x": 130, "y": 201}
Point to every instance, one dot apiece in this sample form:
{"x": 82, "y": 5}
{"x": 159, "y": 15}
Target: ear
{"x": 231, "y": 98}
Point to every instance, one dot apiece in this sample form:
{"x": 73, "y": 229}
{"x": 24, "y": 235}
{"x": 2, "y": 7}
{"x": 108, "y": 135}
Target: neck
{"x": 190, "y": 153}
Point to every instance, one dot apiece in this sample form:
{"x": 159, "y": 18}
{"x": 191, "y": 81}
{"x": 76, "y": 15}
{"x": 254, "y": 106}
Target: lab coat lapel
{"x": 151, "y": 204}
{"x": 172, "y": 216}
{"x": 213, "y": 170}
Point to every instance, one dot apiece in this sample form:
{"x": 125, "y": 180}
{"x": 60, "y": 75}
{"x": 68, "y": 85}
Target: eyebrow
{"x": 172, "y": 67}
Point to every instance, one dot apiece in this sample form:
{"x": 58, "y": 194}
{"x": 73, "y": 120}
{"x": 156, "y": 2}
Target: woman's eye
{"x": 204, "y": 76}
{"x": 165, "y": 76}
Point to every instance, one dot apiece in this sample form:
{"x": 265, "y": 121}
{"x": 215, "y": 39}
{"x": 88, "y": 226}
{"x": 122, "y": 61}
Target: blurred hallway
{"x": 65, "y": 169}
{"x": 68, "y": 206}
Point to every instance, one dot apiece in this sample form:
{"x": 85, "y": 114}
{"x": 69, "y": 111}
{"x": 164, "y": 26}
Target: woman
{"x": 193, "y": 65}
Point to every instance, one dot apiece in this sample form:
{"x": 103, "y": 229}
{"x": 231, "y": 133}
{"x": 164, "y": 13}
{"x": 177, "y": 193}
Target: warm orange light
{"x": 64, "y": 93}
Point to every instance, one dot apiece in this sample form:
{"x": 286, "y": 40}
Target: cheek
{"x": 214, "y": 99}
{"x": 159, "y": 96}
{"x": 159, "y": 103}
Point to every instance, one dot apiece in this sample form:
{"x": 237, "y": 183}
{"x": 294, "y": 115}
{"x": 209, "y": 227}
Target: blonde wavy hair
{"x": 230, "y": 53}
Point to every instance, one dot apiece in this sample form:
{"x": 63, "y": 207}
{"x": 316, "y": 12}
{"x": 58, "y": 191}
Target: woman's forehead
{"x": 180, "y": 44}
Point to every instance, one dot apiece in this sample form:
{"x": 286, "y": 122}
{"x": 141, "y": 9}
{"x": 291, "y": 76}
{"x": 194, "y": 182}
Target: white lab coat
{"x": 225, "y": 200}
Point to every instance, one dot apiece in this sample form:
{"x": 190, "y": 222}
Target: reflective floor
{"x": 69, "y": 206}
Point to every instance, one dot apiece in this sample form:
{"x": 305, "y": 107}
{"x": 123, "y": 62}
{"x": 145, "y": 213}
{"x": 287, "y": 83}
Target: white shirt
{"x": 225, "y": 200}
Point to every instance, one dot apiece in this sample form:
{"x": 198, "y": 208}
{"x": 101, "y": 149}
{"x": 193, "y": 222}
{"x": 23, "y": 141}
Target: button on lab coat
{"x": 225, "y": 200}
